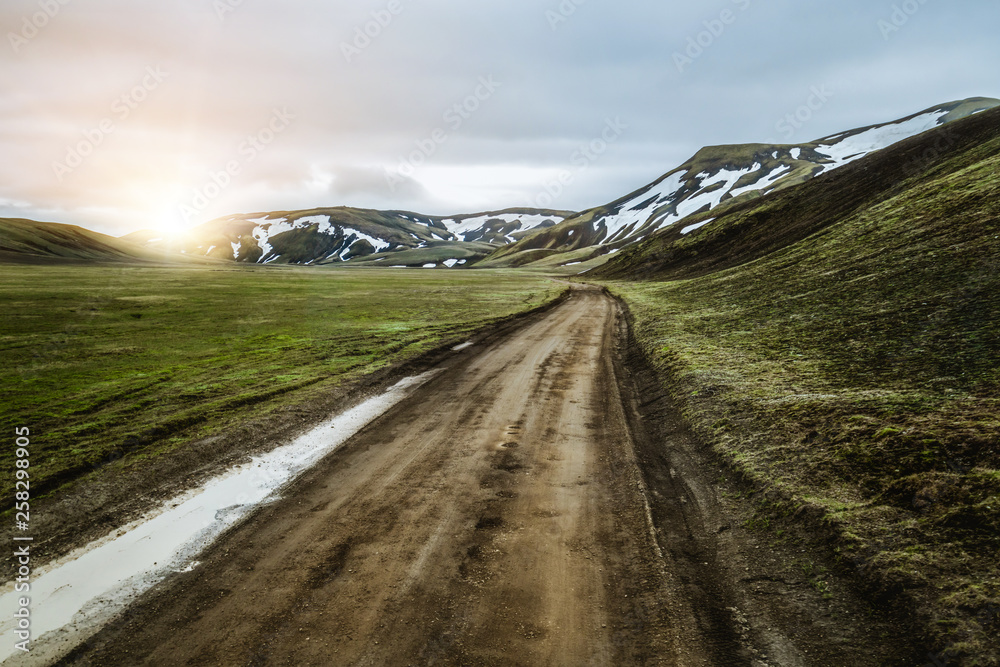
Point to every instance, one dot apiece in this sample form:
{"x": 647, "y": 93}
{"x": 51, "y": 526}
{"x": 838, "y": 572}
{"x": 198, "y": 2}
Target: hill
{"x": 836, "y": 344}
{"x": 337, "y": 235}
{"x": 29, "y": 241}
{"x": 715, "y": 178}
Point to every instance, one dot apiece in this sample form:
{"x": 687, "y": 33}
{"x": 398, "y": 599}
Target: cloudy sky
{"x": 127, "y": 114}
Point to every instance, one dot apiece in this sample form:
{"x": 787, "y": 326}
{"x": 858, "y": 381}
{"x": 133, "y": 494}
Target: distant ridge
{"x": 714, "y": 178}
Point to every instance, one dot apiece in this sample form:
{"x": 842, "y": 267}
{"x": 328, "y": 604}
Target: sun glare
{"x": 160, "y": 206}
{"x": 168, "y": 221}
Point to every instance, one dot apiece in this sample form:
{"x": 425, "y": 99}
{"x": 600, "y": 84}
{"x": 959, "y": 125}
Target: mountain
{"x": 341, "y": 234}
{"x": 39, "y": 242}
{"x": 714, "y": 178}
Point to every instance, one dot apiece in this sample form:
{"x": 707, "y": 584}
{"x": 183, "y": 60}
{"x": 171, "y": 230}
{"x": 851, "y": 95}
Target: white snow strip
{"x": 477, "y": 224}
{"x": 378, "y": 244}
{"x": 697, "y": 225}
{"x": 262, "y": 234}
{"x": 701, "y": 199}
{"x": 857, "y": 146}
{"x": 236, "y": 249}
{"x": 209, "y": 251}
{"x": 450, "y": 262}
{"x": 796, "y": 152}
{"x": 322, "y": 220}
{"x": 661, "y": 193}
{"x": 430, "y": 266}
{"x": 764, "y": 182}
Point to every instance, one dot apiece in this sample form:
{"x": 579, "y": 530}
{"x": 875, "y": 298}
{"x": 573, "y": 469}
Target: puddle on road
{"x": 459, "y": 348}
{"x": 74, "y": 596}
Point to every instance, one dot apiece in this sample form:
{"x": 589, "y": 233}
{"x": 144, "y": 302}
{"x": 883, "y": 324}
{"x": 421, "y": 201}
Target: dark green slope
{"x": 838, "y": 344}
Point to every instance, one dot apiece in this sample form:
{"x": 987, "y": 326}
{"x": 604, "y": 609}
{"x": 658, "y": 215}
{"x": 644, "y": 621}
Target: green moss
{"x": 213, "y": 345}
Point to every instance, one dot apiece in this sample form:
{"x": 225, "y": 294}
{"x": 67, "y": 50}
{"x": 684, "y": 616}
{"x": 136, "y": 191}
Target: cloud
{"x": 356, "y": 117}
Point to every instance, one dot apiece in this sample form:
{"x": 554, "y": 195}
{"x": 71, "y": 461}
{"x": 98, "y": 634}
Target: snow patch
{"x": 477, "y": 224}
{"x": 764, "y": 182}
{"x": 378, "y": 244}
{"x": 857, "y": 146}
{"x": 629, "y": 216}
{"x": 697, "y": 225}
{"x": 325, "y": 226}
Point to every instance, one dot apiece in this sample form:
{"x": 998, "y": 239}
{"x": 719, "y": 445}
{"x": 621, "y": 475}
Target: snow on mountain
{"x": 341, "y": 234}
{"x": 499, "y": 227}
{"x": 680, "y": 194}
{"x": 717, "y": 174}
{"x": 697, "y": 225}
{"x": 378, "y": 244}
{"x": 855, "y": 146}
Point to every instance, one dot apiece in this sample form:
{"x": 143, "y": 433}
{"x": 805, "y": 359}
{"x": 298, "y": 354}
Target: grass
{"x": 105, "y": 362}
{"x": 855, "y": 374}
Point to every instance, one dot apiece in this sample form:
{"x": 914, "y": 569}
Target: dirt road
{"x": 498, "y": 516}
{"x": 494, "y": 517}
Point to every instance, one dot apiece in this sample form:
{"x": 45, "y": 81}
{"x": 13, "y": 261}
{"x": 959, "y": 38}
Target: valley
{"x": 744, "y": 415}
{"x": 500, "y": 515}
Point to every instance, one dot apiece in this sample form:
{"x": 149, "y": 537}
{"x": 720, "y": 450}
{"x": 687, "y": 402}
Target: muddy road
{"x": 497, "y": 516}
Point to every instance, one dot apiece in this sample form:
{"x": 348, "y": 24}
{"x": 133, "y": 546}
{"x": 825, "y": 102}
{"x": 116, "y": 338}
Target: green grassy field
{"x": 855, "y": 376}
{"x": 105, "y": 362}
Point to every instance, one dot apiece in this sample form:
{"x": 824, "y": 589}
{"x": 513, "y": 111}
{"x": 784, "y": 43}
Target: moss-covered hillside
{"x": 838, "y": 343}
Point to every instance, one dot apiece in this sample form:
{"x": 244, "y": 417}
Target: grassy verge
{"x": 855, "y": 376}
{"x": 112, "y": 365}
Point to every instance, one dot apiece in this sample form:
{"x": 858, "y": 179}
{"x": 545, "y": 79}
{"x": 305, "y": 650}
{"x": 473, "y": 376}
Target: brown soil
{"x": 85, "y": 511}
{"x": 499, "y": 516}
